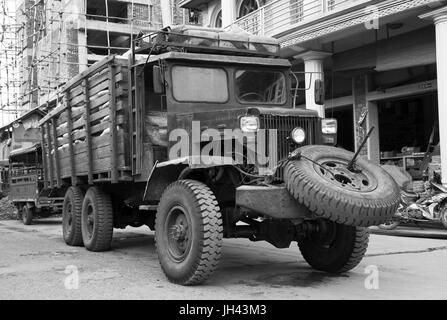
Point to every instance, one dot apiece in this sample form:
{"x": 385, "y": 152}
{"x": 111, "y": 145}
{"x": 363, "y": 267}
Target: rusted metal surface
{"x": 271, "y": 201}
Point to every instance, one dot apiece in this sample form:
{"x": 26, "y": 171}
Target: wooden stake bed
{"x": 84, "y": 139}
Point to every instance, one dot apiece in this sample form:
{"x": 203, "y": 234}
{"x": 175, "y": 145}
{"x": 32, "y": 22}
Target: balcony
{"x": 192, "y": 4}
{"x": 282, "y": 16}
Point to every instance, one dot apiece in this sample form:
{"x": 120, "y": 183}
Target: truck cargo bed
{"x": 86, "y": 136}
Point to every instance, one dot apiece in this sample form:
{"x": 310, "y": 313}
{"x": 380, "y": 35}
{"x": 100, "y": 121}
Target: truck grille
{"x": 284, "y": 126}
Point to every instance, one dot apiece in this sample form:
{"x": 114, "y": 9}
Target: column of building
{"x": 313, "y": 68}
{"x": 439, "y": 18}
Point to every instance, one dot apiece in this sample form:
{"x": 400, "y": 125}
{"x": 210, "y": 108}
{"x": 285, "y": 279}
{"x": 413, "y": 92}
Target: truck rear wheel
{"x": 188, "y": 232}
{"x": 27, "y": 214}
{"x": 335, "y": 248}
{"x": 322, "y": 182}
{"x": 97, "y": 220}
{"x": 71, "y": 216}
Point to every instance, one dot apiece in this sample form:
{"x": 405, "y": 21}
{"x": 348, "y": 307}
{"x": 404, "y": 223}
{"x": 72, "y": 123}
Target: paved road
{"x": 34, "y": 260}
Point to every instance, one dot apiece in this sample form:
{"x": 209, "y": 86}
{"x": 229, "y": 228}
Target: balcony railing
{"x": 282, "y": 15}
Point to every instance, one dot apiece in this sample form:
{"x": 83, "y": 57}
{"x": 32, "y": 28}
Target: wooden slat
{"x": 103, "y": 86}
{"x": 96, "y": 128}
{"x": 103, "y": 165}
{"x": 92, "y": 92}
{"x": 56, "y": 154}
{"x": 44, "y": 159}
{"x": 79, "y": 79}
{"x": 138, "y": 121}
{"x": 88, "y": 135}
{"x": 70, "y": 141}
{"x": 95, "y": 82}
{"x": 130, "y": 110}
{"x": 91, "y": 70}
{"x": 100, "y": 86}
{"x": 94, "y": 103}
{"x": 100, "y": 150}
{"x": 113, "y": 138}
{"x": 101, "y": 113}
{"x": 50, "y": 157}
{"x": 76, "y": 112}
{"x": 93, "y": 116}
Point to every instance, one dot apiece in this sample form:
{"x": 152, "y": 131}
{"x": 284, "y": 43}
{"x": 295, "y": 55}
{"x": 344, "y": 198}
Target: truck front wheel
{"x": 71, "y": 216}
{"x": 335, "y": 247}
{"x": 188, "y": 232}
{"x": 97, "y": 220}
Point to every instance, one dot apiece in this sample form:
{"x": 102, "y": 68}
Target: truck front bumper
{"x": 271, "y": 201}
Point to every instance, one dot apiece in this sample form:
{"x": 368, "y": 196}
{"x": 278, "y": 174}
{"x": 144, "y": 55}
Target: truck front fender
{"x": 166, "y": 172}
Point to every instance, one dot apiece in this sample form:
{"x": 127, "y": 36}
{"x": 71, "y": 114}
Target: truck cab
{"x": 220, "y": 86}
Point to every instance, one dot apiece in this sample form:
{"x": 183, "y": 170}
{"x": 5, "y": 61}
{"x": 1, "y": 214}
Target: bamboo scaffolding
{"x": 34, "y": 48}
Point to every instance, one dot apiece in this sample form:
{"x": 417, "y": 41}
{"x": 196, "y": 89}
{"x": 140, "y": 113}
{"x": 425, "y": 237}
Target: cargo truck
{"x": 134, "y": 143}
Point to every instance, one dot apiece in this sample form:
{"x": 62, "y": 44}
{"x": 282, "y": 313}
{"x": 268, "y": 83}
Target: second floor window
{"x": 248, "y": 6}
{"x": 218, "y": 22}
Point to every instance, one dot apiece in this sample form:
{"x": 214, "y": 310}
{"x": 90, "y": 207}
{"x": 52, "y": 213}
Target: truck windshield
{"x": 193, "y": 84}
{"x": 260, "y": 86}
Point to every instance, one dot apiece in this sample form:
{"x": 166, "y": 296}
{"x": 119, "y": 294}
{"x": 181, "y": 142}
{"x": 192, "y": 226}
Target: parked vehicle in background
{"x": 4, "y": 178}
{"x": 428, "y": 206}
{"x": 115, "y": 147}
{"x": 427, "y": 199}
{"x": 26, "y": 184}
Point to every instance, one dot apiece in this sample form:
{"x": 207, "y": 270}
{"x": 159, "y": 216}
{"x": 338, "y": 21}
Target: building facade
{"x": 61, "y": 38}
{"x": 384, "y": 65}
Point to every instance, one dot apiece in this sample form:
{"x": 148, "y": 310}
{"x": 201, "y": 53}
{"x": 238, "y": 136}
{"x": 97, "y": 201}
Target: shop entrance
{"x": 405, "y": 126}
{"x": 345, "y": 119}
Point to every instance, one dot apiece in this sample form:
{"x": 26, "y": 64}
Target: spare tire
{"x": 321, "y": 181}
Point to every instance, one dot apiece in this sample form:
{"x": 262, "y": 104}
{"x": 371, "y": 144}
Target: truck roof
{"x": 187, "y": 38}
{"x": 24, "y": 150}
{"x": 215, "y": 59}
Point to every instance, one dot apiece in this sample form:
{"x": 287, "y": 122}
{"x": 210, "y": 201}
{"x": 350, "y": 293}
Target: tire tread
{"x": 208, "y": 255}
{"x": 326, "y": 203}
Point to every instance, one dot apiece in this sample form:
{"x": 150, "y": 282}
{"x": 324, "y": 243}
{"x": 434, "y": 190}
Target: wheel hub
{"x": 179, "y": 237}
{"x": 338, "y": 173}
{"x": 178, "y": 232}
{"x": 326, "y": 232}
{"x": 90, "y": 220}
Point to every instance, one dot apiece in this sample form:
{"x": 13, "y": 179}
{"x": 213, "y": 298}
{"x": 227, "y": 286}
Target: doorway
{"x": 345, "y": 119}
{"x": 407, "y": 122}
{"x": 405, "y": 127}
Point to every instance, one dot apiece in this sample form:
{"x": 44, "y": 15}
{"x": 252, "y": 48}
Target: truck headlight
{"x": 249, "y": 124}
{"x": 329, "y": 126}
{"x": 298, "y": 135}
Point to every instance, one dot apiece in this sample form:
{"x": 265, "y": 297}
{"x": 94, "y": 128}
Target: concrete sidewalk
{"x": 432, "y": 231}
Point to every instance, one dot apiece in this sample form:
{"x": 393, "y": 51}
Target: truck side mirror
{"x": 157, "y": 79}
{"x": 319, "y": 91}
